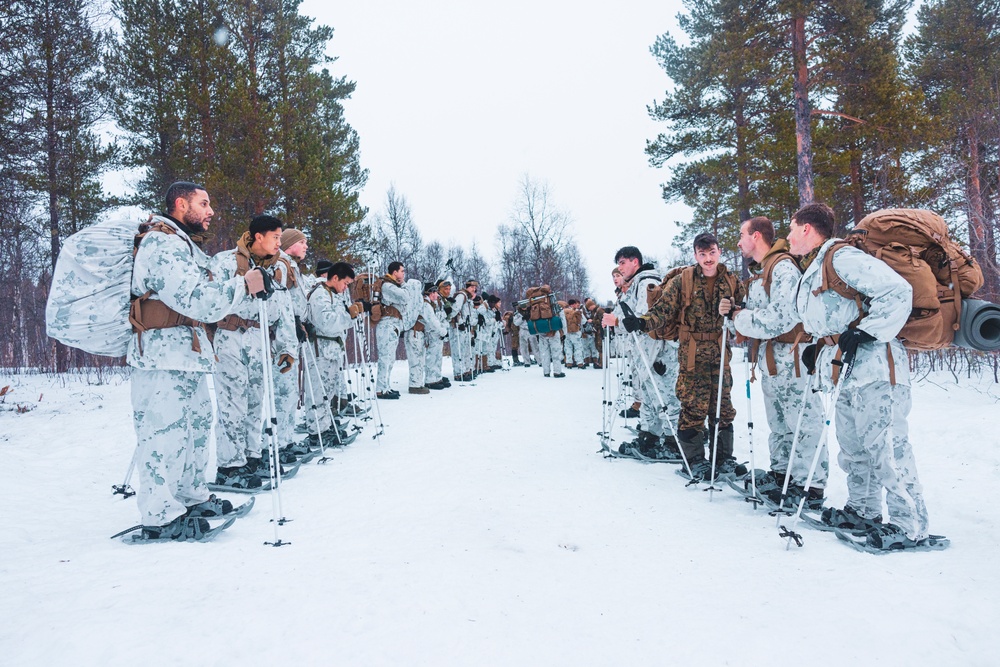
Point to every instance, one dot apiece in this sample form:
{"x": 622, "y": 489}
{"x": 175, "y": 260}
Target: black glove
{"x": 268, "y": 285}
{"x": 480, "y": 320}
{"x": 497, "y": 316}
{"x": 461, "y": 327}
{"x": 473, "y": 340}
{"x": 659, "y": 368}
{"x": 633, "y": 323}
{"x": 849, "y": 341}
{"x": 809, "y": 358}
{"x": 300, "y": 330}
{"x": 366, "y": 305}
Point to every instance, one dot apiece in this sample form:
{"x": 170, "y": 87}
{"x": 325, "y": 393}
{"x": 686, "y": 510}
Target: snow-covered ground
{"x": 483, "y": 529}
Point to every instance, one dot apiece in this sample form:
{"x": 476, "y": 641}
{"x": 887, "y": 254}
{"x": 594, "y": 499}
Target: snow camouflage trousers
{"x": 875, "y": 453}
{"x": 574, "y": 349}
{"x": 414, "y": 343}
{"x": 286, "y": 398}
{"x": 651, "y": 414}
{"x": 550, "y": 348}
{"x": 697, "y": 389}
{"x": 387, "y": 339}
{"x": 590, "y": 350}
{"x": 172, "y": 413}
{"x": 433, "y": 353}
{"x": 529, "y": 347}
{"x": 239, "y": 388}
{"x": 323, "y": 373}
{"x": 461, "y": 351}
{"x": 783, "y": 396}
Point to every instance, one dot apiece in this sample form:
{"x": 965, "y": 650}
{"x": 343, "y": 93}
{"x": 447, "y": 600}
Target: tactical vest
{"x": 795, "y": 336}
{"x": 144, "y": 313}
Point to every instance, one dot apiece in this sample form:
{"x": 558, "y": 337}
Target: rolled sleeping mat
{"x": 979, "y": 328}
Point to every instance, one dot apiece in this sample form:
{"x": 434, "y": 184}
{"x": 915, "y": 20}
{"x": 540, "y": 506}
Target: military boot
{"x": 692, "y": 442}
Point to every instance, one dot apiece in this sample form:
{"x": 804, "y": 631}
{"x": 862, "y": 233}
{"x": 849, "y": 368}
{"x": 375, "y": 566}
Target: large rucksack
{"x": 543, "y": 311}
{"x": 915, "y": 244}
{"x": 91, "y": 293}
{"x": 574, "y": 320}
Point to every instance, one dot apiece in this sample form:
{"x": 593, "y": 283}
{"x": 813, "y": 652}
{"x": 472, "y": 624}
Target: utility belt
{"x": 317, "y": 338}
{"x": 691, "y": 339}
{"x": 234, "y": 322}
{"x": 390, "y": 311}
{"x": 145, "y": 314}
{"x": 794, "y": 337}
{"x": 419, "y": 327}
{"x": 835, "y": 338}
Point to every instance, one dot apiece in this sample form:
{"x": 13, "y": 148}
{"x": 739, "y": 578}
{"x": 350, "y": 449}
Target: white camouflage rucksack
{"x": 414, "y": 301}
{"x": 88, "y": 304}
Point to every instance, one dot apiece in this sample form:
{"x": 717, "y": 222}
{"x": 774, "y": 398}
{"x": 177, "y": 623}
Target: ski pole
{"x": 790, "y": 533}
{"x": 656, "y": 389}
{"x": 718, "y": 410}
{"x": 270, "y": 423}
{"x": 304, "y": 347}
{"x": 806, "y": 392}
{"x": 124, "y": 489}
{"x": 753, "y": 466}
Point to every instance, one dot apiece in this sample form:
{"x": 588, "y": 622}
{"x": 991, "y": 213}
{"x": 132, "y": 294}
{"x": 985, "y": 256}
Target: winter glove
{"x": 849, "y": 341}
{"x": 633, "y": 323}
{"x": 480, "y": 320}
{"x": 473, "y": 340}
{"x": 497, "y": 316}
{"x": 260, "y": 283}
{"x": 300, "y": 330}
{"x": 809, "y": 358}
{"x": 285, "y": 363}
{"x": 461, "y": 327}
{"x": 659, "y": 368}
{"x": 356, "y": 309}
{"x": 366, "y": 305}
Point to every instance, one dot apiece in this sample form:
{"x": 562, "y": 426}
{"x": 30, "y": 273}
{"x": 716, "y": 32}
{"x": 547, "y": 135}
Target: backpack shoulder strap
{"x": 156, "y": 226}
{"x": 831, "y": 280}
{"x": 289, "y": 274}
{"x": 767, "y": 270}
{"x": 687, "y": 293}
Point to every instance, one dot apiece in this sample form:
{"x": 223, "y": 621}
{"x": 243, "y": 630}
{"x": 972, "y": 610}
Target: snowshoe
{"x": 630, "y": 413}
{"x": 182, "y": 529}
{"x": 848, "y": 520}
{"x": 883, "y": 539}
{"x": 701, "y": 471}
{"x": 241, "y": 479}
{"x": 218, "y": 508}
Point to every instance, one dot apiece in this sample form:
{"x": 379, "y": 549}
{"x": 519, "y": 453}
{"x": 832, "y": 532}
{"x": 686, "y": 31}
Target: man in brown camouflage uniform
{"x": 699, "y": 317}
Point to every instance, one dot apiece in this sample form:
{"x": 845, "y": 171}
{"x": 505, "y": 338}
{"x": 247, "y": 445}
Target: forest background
{"x": 762, "y": 107}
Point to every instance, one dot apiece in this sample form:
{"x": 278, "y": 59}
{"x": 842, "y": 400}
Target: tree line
{"x": 778, "y": 103}
{"x": 236, "y": 95}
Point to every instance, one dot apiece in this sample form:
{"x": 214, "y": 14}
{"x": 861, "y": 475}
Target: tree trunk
{"x": 978, "y": 242}
{"x": 803, "y": 110}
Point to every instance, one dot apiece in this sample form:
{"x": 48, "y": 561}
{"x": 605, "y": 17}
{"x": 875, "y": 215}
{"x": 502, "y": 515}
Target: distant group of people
{"x": 805, "y": 339}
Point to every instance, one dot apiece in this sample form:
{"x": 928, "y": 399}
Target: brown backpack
{"x": 915, "y": 244}
{"x": 574, "y": 320}
{"x": 539, "y": 304}
{"x": 653, "y": 294}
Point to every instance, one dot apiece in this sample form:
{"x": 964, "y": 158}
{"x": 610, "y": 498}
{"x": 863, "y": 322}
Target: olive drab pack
{"x": 90, "y": 304}
{"x": 379, "y": 309}
{"x": 915, "y": 244}
{"x": 543, "y": 311}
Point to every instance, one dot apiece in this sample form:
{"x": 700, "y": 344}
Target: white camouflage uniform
{"x": 650, "y": 413}
{"x": 575, "y": 350}
{"x": 461, "y": 340}
{"x": 551, "y": 350}
{"x": 172, "y": 407}
{"x": 239, "y": 378}
{"x": 872, "y": 412}
{"x": 387, "y": 332}
{"x": 330, "y": 319}
{"x": 415, "y": 342}
{"x": 767, "y": 317}
{"x": 434, "y": 344}
{"x": 286, "y": 385}
{"x": 529, "y": 342}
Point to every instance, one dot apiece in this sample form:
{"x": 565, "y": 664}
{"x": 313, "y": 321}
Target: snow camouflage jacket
{"x": 769, "y": 317}
{"x": 279, "y": 306}
{"x": 887, "y": 306}
{"x": 291, "y": 279}
{"x": 328, "y": 314}
{"x": 461, "y": 309}
{"x": 635, "y": 298}
{"x": 394, "y": 295}
{"x": 432, "y": 318}
{"x": 180, "y": 275}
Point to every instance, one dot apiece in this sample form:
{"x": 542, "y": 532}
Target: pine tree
{"x": 955, "y": 59}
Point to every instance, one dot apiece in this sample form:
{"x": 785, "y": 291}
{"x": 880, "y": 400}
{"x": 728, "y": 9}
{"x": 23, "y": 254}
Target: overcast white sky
{"x": 455, "y": 101}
